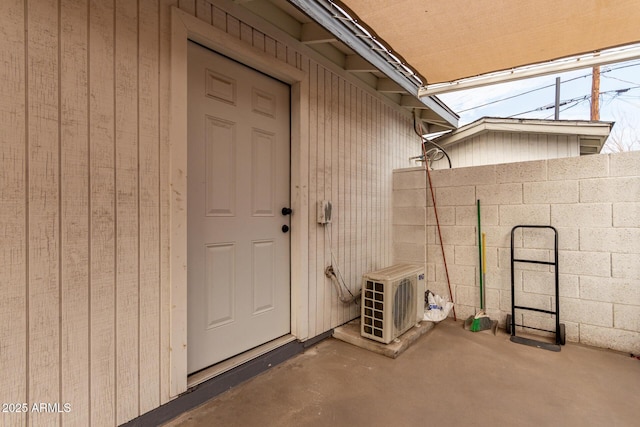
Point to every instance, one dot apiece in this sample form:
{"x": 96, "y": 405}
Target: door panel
{"x": 238, "y": 181}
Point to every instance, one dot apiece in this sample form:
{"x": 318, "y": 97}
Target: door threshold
{"x": 229, "y": 364}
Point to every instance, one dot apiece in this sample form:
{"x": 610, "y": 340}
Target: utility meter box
{"x": 324, "y": 211}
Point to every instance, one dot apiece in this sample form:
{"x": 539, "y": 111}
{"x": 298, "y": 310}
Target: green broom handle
{"x": 480, "y": 255}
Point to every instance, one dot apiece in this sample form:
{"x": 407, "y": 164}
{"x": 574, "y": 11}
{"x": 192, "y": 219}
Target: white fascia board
{"x": 607, "y": 56}
{"x": 549, "y": 127}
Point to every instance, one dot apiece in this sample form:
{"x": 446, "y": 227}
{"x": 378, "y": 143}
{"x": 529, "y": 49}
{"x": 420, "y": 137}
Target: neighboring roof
{"x": 592, "y": 134}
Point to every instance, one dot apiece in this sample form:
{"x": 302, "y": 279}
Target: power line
{"x": 608, "y": 69}
{"x": 621, "y": 80}
{"x": 578, "y": 99}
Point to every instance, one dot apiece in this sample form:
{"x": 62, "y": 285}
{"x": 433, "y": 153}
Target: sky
{"x": 616, "y": 104}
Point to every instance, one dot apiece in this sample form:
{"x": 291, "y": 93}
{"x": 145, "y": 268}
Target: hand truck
{"x": 511, "y": 324}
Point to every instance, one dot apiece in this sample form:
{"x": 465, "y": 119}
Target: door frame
{"x": 186, "y": 27}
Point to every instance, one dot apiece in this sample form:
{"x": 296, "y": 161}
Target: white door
{"x": 238, "y": 183}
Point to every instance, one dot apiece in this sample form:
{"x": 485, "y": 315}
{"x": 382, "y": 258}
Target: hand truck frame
{"x": 511, "y": 323}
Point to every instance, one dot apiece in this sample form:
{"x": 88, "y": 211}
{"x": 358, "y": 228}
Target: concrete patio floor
{"x": 449, "y": 377}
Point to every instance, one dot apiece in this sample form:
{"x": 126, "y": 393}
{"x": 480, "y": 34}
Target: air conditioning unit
{"x": 392, "y": 301}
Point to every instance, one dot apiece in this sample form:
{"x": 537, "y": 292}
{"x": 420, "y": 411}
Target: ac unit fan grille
{"x": 403, "y": 300}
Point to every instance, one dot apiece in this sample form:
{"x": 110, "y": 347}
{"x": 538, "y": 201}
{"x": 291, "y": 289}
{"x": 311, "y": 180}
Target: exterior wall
{"x": 85, "y": 212}
{"x": 503, "y": 147}
{"x": 593, "y": 201}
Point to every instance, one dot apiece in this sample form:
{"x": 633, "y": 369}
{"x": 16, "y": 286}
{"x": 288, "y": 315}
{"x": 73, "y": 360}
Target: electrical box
{"x": 324, "y": 211}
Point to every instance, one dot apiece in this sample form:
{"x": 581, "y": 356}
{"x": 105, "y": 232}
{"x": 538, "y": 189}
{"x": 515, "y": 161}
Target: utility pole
{"x": 557, "y": 109}
{"x": 595, "y": 93}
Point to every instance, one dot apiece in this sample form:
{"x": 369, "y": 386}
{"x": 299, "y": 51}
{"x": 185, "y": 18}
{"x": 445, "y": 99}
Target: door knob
{"x": 286, "y": 211}
{"x": 285, "y": 228}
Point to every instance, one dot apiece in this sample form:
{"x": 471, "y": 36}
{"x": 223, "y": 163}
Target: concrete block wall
{"x": 593, "y": 202}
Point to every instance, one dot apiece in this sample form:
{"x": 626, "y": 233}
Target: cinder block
{"x": 434, "y": 253}
{"x": 569, "y": 285}
{"x": 538, "y": 238}
{"x": 468, "y": 215}
{"x": 625, "y": 214}
{"x": 475, "y": 175}
{"x": 568, "y": 238}
{"x": 626, "y": 189}
{"x": 501, "y": 236}
{"x": 586, "y": 312}
{"x": 456, "y": 196}
{"x": 431, "y": 272}
{"x": 541, "y": 321}
{"x": 543, "y": 282}
{"x": 526, "y": 299}
{"x": 551, "y": 192}
{"x": 500, "y": 194}
{"x": 409, "y": 216}
{"x": 615, "y": 339}
{"x": 491, "y": 258}
{"x": 409, "y": 252}
{"x": 570, "y": 168}
{"x": 626, "y": 317}
{"x": 409, "y": 234}
{"x": 625, "y": 266}
{"x": 431, "y": 235}
{"x": 512, "y": 215}
{"x": 458, "y": 274}
{"x": 454, "y": 235}
{"x": 500, "y": 278}
{"x": 572, "y": 331}
{"x": 585, "y": 263}
{"x": 410, "y": 197}
{"x": 521, "y": 172}
{"x": 492, "y": 299}
{"x": 539, "y": 282}
{"x": 625, "y": 164}
{"x": 461, "y": 274}
{"x": 466, "y": 255}
{"x": 616, "y": 240}
{"x": 409, "y": 178}
{"x": 446, "y": 215}
{"x": 467, "y": 295}
{"x": 581, "y": 215}
{"x": 505, "y": 302}
{"x": 625, "y": 291}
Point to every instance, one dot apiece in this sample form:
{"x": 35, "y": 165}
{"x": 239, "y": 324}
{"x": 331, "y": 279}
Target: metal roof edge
{"x": 322, "y": 16}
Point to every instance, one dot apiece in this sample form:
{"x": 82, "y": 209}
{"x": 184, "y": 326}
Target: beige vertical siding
{"x": 84, "y": 212}
{"x": 506, "y": 147}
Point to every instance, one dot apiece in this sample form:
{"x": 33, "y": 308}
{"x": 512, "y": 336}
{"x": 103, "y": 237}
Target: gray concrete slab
{"x": 448, "y": 377}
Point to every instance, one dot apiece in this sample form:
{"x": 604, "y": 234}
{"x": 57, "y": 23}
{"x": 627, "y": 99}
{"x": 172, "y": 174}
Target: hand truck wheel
{"x": 508, "y": 325}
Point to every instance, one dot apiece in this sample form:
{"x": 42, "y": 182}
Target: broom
{"x": 481, "y": 320}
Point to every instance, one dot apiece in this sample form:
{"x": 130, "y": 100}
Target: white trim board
{"x": 185, "y": 27}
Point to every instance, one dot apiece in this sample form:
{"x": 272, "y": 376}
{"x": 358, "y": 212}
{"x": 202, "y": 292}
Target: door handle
{"x": 285, "y": 228}
{"x": 287, "y": 211}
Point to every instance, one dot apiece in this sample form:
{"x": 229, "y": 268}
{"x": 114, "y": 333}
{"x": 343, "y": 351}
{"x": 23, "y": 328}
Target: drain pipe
{"x": 334, "y": 279}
